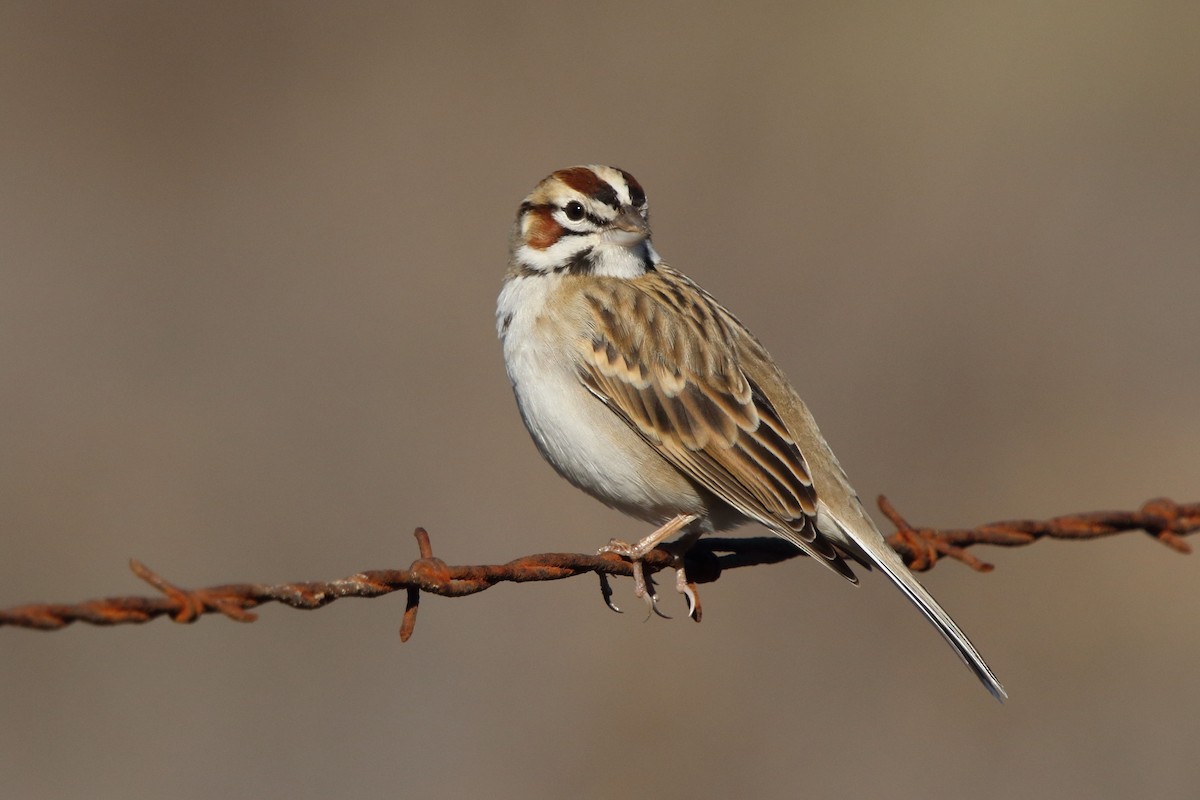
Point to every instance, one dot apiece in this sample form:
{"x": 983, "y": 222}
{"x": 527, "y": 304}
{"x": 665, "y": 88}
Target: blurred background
{"x": 249, "y": 256}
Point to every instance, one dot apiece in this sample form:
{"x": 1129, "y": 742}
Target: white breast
{"x": 583, "y": 440}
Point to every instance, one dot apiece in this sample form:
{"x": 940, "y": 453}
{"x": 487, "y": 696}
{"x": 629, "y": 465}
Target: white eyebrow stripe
{"x": 614, "y": 179}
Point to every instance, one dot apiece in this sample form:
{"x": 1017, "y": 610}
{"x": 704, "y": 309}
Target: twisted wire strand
{"x": 921, "y": 548}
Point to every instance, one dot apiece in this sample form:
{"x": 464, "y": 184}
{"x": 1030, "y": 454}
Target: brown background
{"x": 248, "y": 262}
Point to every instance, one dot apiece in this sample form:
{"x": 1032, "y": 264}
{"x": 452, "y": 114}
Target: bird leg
{"x": 636, "y": 552}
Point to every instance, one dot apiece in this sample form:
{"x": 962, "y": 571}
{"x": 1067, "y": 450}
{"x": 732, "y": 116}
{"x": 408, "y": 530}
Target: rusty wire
{"x": 921, "y": 548}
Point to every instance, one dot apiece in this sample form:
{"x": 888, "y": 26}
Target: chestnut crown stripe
{"x": 586, "y": 182}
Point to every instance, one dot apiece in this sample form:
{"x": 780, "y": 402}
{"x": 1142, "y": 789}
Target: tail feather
{"x": 868, "y": 545}
{"x": 947, "y": 627}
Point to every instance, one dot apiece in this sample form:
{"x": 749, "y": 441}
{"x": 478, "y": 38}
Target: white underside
{"x": 586, "y": 442}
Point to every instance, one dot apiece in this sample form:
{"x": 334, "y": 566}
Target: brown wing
{"x": 673, "y": 377}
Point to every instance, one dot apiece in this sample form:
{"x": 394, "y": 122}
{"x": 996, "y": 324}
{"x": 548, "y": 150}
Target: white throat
{"x": 613, "y": 260}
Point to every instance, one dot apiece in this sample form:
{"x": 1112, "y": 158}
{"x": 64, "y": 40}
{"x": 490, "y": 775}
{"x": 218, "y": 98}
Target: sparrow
{"x": 642, "y": 390}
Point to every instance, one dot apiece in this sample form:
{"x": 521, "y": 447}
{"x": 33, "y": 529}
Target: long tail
{"x": 872, "y": 547}
{"x": 895, "y": 569}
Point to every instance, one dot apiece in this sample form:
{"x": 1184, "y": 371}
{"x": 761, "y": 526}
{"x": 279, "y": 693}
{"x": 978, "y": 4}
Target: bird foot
{"x": 643, "y": 585}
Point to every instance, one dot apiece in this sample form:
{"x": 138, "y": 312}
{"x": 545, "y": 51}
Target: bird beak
{"x": 628, "y": 229}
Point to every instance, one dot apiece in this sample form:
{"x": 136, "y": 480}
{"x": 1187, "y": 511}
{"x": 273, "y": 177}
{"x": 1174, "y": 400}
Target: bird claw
{"x": 607, "y": 593}
{"x": 643, "y": 584}
{"x": 688, "y": 590}
{"x": 643, "y": 587}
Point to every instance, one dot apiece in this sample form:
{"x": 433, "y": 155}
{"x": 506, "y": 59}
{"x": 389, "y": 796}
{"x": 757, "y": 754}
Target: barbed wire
{"x": 921, "y": 549}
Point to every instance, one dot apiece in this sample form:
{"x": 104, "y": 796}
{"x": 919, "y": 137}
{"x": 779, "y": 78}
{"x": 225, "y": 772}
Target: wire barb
{"x": 921, "y": 548}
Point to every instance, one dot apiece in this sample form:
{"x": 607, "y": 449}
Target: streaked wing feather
{"x": 675, "y": 380}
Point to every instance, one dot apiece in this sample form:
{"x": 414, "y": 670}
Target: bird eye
{"x": 573, "y": 210}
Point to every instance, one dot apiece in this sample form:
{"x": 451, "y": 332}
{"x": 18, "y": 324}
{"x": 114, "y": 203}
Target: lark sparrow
{"x": 645, "y": 392}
